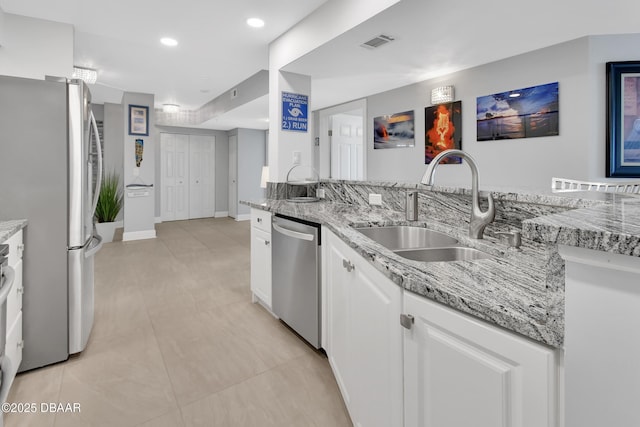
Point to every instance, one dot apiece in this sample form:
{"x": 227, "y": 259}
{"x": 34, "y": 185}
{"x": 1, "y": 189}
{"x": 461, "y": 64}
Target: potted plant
{"x": 109, "y": 205}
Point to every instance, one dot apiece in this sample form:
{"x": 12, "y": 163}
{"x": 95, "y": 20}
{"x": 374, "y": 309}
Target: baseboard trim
{"x": 158, "y": 220}
{"x": 138, "y": 235}
{"x": 221, "y": 214}
{"x": 243, "y": 217}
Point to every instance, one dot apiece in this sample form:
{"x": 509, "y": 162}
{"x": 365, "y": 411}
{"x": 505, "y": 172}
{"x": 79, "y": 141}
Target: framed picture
{"x": 623, "y": 119}
{"x": 138, "y": 120}
{"x": 394, "y": 131}
{"x": 520, "y": 113}
{"x": 443, "y": 131}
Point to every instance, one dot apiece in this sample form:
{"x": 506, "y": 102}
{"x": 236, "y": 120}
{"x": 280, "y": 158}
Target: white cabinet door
{"x": 201, "y": 188}
{"x": 233, "y": 176}
{"x": 461, "y": 372}
{"x": 13, "y": 346}
{"x": 261, "y": 265}
{"x": 261, "y": 256}
{"x": 174, "y": 176}
{"x": 338, "y": 345}
{"x": 364, "y": 338}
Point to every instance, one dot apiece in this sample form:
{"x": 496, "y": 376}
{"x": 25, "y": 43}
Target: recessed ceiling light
{"x": 255, "y": 22}
{"x": 168, "y": 41}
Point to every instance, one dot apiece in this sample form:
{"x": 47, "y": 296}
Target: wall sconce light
{"x": 264, "y": 177}
{"x": 170, "y": 108}
{"x": 442, "y": 95}
{"x": 89, "y": 75}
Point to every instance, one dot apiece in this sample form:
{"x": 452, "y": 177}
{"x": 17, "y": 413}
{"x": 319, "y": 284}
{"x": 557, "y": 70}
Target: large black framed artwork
{"x": 623, "y": 119}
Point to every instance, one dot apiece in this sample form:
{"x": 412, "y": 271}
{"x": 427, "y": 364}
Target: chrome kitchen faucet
{"x": 479, "y": 219}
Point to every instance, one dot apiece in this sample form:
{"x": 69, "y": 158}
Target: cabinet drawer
{"x": 261, "y": 220}
{"x": 12, "y": 357}
{"x": 15, "y": 248}
{"x": 14, "y": 299}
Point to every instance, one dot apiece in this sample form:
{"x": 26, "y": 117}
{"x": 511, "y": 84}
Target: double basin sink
{"x": 421, "y": 244}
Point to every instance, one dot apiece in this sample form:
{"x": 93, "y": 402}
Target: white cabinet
{"x": 14, "y": 342}
{"x": 602, "y": 319}
{"x": 462, "y": 372}
{"x": 187, "y": 176}
{"x": 363, "y": 337}
{"x": 261, "y": 256}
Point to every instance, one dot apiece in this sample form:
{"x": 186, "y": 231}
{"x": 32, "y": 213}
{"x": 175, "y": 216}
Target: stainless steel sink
{"x": 455, "y": 253}
{"x": 407, "y": 237}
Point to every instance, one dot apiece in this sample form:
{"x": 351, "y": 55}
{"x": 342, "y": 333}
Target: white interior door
{"x": 347, "y": 146}
{"x": 174, "y": 177}
{"x": 201, "y": 176}
{"x": 233, "y": 176}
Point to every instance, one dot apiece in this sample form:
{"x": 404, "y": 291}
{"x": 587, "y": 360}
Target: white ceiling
{"x": 437, "y": 38}
{"x": 217, "y": 50}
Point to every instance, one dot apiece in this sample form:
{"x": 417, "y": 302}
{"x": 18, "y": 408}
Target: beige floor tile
{"x": 120, "y": 381}
{"x": 171, "y": 419}
{"x": 118, "y": 311}
{"x": 301, "y": 392}
{"x": 204, "y": 358}
{"x": 37, "y": 386}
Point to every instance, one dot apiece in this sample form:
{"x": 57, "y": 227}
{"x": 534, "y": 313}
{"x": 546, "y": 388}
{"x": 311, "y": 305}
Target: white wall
{"x": 522, "y": 163}
{"x": 34, "y": 48}
{"x": 2, "y": 27}
{"x": 327, "y": 22}
{"x": 251, "y": 158}
{"x": 282, "y": 144}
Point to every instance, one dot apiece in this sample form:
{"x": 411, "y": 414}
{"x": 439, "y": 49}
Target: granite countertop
{"x": 613, "y": 227}
{"x": 520, "y": 290}
{"x": 9, "y": 228}
{"x": 508, "y": 289}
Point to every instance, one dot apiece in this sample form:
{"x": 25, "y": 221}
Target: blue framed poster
{"x": 295, "y": 112}
{"x": 623, "y": 119}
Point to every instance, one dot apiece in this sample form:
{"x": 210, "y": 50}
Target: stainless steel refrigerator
{"x": 50, "y": 170}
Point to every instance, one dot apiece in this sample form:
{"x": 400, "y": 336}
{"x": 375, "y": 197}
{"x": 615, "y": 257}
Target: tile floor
{"x": 177, "y": 342}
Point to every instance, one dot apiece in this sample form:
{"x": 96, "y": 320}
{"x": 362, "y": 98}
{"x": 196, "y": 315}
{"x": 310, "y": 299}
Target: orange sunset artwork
{"x": 444, "y": 132}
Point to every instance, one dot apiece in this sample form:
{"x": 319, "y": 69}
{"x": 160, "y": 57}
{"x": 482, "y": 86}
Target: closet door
{"x": 233, "y": 176}
{"x": 175, "y": 176}
{"x": 201, "y": 176}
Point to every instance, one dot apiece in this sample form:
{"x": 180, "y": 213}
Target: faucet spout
{"x": 479, "y": 219}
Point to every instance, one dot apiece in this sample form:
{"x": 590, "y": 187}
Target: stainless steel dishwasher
{"x": 295, "y": 255}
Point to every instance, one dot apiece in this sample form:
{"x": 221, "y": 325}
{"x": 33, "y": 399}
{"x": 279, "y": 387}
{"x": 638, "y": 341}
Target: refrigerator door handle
{"x": 9, "y": 274}
{"x": 96, "y": 194}
{"x": 94, "y": 246}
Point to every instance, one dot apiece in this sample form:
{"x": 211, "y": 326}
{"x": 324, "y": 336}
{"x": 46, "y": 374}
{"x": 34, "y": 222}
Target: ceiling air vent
{"x": 377, "y": 41}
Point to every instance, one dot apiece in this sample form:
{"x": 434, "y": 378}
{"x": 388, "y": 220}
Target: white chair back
{"x": 559, "y": 185}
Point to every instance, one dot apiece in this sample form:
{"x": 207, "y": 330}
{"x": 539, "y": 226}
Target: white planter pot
{"x": 106, "y": 230}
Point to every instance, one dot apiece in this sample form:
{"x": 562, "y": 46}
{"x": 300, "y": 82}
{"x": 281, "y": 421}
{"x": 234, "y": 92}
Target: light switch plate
{"x": 320, "y": 193}
{"x": 375, "y": 199}
{"x": 296, "y": 157}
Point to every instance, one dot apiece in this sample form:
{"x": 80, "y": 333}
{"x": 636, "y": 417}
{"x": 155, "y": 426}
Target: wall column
{"x": 284, "y": 143}
{"x": 139, "y": 204}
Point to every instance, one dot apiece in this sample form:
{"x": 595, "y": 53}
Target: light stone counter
{"x": 613, "y": 227}
{"x": 520, "y": 290}
{"x": 9, "y": 228}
